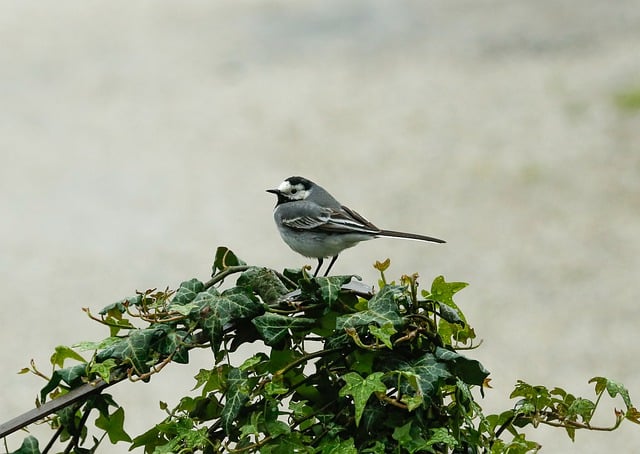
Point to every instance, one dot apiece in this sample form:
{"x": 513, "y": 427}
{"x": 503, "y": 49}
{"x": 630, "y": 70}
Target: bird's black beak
{"x": 281, "y": 197}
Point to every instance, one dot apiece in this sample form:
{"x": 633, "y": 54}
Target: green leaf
{"x": 220, "y": 309}
{"x": 633, "y": 415}
{"x": 382, "y": 266}
{"x": 361, "y": 389}
{"x": 468, "y": 370}
{"x": 136, "y": 349}
{"x": 410, "y": 437}
{"x": 29, "y": 446}
{"x": 187, "y": 291}
{"x": 443, "y": 291}
{"x": 264, "y": 282}
{"x": 119, "y": 306}
{"x": 62, "y": 353}
{"x": 363, "y": 361}
{"x": 277, "y": 428}
{"x": 104, "y": 343}
{"x": 225, "y": 258}
{"x": 174, "y": 342}
{"x": 103, "y": 369}
{"x": 150, "y": 439}
{"x": 113, "y": 425}
{"x": 238, "y": 393}
{"x": 337, "y": 446}
{"x": 114, "y": 315}
{"x": 581, "y": 407}
{"x": 441, "y": 435}
{"x": 422, "y": 377}
{"x": 613, "y": 388}
{"x": 535, "y": 397}
{"x": 382, "y": 310}
{"x": 330, "y": 287}
{"x": 451, "y": 315}
{"x": 383, "y": 334}
{"x": 286, "y": 444}
{"x": 275, "y": 388}
{"x": 276, "y": 327}
{"x": 72, "y": 376}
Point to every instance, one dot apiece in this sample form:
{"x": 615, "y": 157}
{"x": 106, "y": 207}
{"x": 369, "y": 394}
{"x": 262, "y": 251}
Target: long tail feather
{"x": 409, "y": 236}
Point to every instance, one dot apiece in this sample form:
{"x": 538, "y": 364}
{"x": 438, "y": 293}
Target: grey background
{"x": 137, "y": 136}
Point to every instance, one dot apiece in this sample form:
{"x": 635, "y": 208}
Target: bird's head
{"x": 292, "y": 189}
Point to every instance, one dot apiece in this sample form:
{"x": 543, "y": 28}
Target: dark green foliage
{"x": 336, "y": 372}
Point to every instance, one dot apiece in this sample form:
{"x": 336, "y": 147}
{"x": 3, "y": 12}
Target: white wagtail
{"x": 313, "y": 223}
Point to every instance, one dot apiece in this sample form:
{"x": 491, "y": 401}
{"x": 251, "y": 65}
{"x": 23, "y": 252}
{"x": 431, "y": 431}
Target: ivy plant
{"x": 340, "y": 368}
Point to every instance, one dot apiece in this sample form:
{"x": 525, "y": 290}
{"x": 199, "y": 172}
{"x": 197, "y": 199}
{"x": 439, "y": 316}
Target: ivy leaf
{"x": 441, "y": 435}
{"x": 275, "y": 327}
{"x": 383, "y": 333}
{"x": 613, "y": 388}
{"x": 335, "y": 445}
{"x": 103, "y": 369}
{"x": 225, "y": 258}
{"x": 534, "y": 397}
{"x": 468, "y": 370}
{"x": 89, "y": 345}
{"x": 187, "y": 291}
{"x": 264, "y": 282}
{"x": 113, "y": 425}
{"x": 72, "y": 376}
{"x": 29, "y": 446}
{"x": 382, "y": 310}
{"x": 221, "y": 309}
{"x": 174, "y": 343}
{"x": 135, "y": 349}
{"x": 62, "y": 353}
{"x": 361, "y": 389}
{"x": 120, "y": 306}
{"x": 581, "y": 407}
{"x": 114, "y": 315}
{"x": 451, "y": 315}
{"x": 286, "y": 444}
{"x": 330, "y": 287}
{"x": 633, "y": 415}
{"x": 443, "y": 291}
{"x": 238, "y": 392}
{"x": 152, "y": 438}
{"x": 277, "y": 428}
{"x": 422, "y": 377}
{"x": 409, "y": 436}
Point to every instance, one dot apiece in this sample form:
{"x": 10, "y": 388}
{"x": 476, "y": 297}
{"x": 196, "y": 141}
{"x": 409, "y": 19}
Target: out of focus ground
{"x": 135, "y": 137}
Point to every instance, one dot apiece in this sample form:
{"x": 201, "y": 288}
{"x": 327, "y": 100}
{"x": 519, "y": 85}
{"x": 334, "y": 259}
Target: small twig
{"x": 392, "y": 401}
{"x": 578, "y": 425}
{"x": 285, "y": 280}
{"x": 154, "y": 369}
{"x": 226, "y": 272}
{"x": 104, "y": 322}
{"x": 304, "y": 359}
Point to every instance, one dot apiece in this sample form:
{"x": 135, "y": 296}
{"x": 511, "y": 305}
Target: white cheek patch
{"x": 301, "y": 194}
{"x": 285, "y": 187}
{"x": 293, "y": 192}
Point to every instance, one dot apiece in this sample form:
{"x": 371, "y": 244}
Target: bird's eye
{"x": 293, "y": 190}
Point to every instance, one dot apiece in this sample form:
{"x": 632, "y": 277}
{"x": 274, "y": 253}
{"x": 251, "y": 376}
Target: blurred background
{"x": 136, "y": 137}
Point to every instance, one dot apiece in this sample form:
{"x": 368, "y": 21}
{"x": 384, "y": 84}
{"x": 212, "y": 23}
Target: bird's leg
{"x": 333, "y": 260}
{"x": 315, "y": 273}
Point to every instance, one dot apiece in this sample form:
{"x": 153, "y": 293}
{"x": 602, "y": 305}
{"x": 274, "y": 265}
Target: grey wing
{"x": 313, "y": 217}
{"x": 306, "y": 216}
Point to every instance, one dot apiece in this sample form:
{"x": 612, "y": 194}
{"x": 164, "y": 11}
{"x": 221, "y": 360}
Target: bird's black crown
{"x": 294, "y": 181}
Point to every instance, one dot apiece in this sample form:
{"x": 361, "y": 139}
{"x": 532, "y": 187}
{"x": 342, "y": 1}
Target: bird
{"x": 314, "y": 224}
